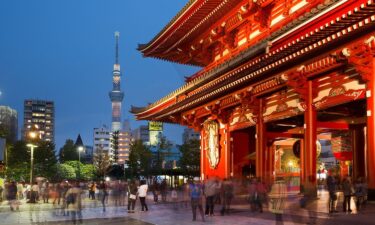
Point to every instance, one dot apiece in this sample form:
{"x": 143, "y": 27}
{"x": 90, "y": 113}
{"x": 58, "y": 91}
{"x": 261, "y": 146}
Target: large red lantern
{"x": 342, "y": 145}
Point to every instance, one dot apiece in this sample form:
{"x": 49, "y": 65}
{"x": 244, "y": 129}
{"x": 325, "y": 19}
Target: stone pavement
{"x": 164, "y": 214}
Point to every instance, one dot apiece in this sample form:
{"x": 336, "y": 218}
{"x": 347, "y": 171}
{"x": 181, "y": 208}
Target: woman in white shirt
{"x": 142, "y": 193}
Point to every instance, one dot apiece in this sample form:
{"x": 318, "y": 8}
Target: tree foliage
{"x": 65, "y": 171}
{"x": 190, "y": 157}
{"x": 87, "y": 172}
{"x": 139, "y": 159}
{"x": 17, "y": 154}
{"x": 102, "y": 162}
{"x": 68, "y": 152}
{"x": 45, "y": 160}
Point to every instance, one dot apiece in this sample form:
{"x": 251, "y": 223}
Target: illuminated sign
{"x": 155, "y": 126}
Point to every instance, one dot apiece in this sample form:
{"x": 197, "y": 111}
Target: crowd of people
{"x": 203, "y": 196}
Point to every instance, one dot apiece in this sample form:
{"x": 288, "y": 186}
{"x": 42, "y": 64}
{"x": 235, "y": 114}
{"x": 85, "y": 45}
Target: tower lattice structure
{"x": 116, "y": 95}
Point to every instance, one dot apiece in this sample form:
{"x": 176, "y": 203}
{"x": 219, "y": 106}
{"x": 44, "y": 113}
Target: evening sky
{"x": 63, "y": 50}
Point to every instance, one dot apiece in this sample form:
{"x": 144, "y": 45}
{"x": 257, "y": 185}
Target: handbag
{"x": 131, "y": 196}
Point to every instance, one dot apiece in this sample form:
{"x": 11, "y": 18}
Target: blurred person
{"x": 332, "y": 188}
{"x": 123, "y": 190}
{"x": 261, "y": 191}
{"x": 12, "y": 195}
{"x": 347, "y": 189}
{"x": 185, "y": 195}
{"x": 116, "y": 192}
{"x": 20, "y": 191}
{"x": 277, "y": 198}
{"x": 92, "y": 190}
{"x": 142, "y": 193}
{"x": 163, "y": 190}
{"x": 252, "y": 190}
{"x": 196, "y": 194}
{"x": 1, "y": 193}
{"x": 34, "y": 192}
{"x": 217, "y": 197}
{"x": 359, "y": 193}
{"x": 155, "y": 191}
{"x": 227, "y": 193}
{"x": 74, "y": 202}
{"x": 209, "y": 188}
{"x": 132, "y": 196}
{"x": 103, "y": 193}
{"x": 45, "y": 193}
{"x": 174, "y": 197}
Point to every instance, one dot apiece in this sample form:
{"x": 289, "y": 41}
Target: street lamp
{"x": 32, "y": 135}
{"x": 80, "y": 149}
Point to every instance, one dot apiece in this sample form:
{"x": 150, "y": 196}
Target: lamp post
{"x": 80, "y": 149}
{"x": 32, "y": 135}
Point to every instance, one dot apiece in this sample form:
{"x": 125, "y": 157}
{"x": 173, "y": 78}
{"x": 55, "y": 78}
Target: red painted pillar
{"x": 309, "y": 154}
{"x": 260, "y": 142}
{"x": 370, "y": 153}
{"x": 203, "y": 156}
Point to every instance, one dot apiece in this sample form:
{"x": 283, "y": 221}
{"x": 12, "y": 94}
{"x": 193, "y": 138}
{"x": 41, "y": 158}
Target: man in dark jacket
{"x": 331, "y": 186}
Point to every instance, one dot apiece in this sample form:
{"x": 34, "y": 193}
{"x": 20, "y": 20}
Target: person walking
{"x": 45, "y": 193}
{"x": 132, "y": 196}
{"x": 174, "y": 197}
{"x": 20, "y": 191}
{"x": 277, "y": 198}
{"x": 12, "y": 195}
{"x": 196, "y": 193}
{"x": 142, "y": 193}
{"x": 209, "y": 192}
{"x": 347, "y": 189}
{"x": 92, "y": 190}
{"x": 227, "y": 193}
{"x": 103, "y": 192}
{"x": 331, "y": 187}
{"x": 360, "y": 194}
{"x": 74, "y": 202}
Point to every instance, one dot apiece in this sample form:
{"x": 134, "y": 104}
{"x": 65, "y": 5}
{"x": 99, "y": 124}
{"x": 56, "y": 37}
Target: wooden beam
{"x": 333, "y": 125}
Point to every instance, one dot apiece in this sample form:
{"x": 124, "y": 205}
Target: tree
{"x": 190, "y": 157}
{"x": 115, "y": 146}
{"x": 163, "y": 151}
{"x": 68, "y": 152}
{"x": 87, "y": 172}
{"x": 139, "y": 159}
{"x": 102, "y": 162}
{"x": 17, "y": 154}
{"x": 64, "y": 171}
{"x": 45, "y": 160}
{"x": 18, "y": 161}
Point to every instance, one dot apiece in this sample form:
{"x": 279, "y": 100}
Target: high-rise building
{"x": 116, "y": 95}
{"x": 102, "y": 139}
{"x": 141, "y": 133}
{"x": 125, "y": 138}
{"x": 190, "y": 134}
{"x": 40, "y": 114}
{"x": 9, "y": 123}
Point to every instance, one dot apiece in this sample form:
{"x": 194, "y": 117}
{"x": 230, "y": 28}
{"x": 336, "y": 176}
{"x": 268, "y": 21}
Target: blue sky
{"x": 63, "y": 50}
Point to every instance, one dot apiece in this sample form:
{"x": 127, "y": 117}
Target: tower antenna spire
{"x": 117, "y": 35}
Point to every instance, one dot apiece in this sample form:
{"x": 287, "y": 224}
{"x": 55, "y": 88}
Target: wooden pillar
{"x": 358, "y": 148}
{"x": 260, "y": 142}
{"x": 203, "y": 156}
{"x": 227, "y": 151}
{"x": 309, "y": 154}
{"x": 302, "y": 163}
{"x": 370, "y": 151}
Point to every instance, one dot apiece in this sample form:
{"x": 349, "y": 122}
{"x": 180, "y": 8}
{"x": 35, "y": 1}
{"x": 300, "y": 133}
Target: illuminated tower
{"x": 116, "y": 95}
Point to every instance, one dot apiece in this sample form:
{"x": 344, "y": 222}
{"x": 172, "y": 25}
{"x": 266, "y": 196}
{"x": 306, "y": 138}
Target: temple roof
{"x": 196, "y": 17}
{"x": 296, "y": 40}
